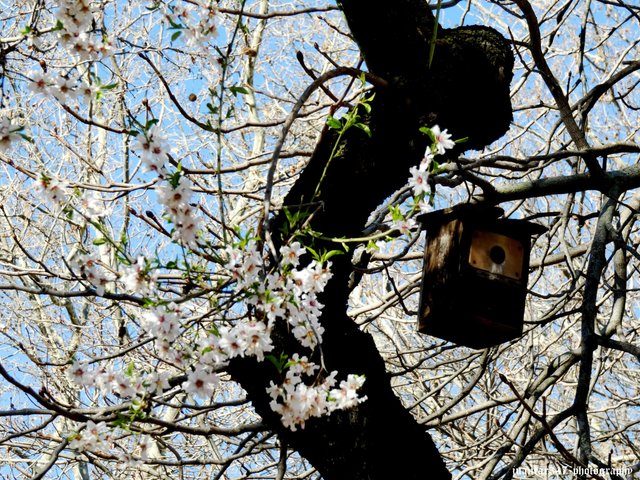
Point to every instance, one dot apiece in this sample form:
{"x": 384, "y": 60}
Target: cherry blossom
{"x": 80, "y": 374}
{"x": 162, "y": 323}
{"x": 136, "y": 278}
{"x": 157, "y": 382}
{"x": 291, "y": 254}
{"x": 404, "y": 225}
{"x": 75, "y": 19}
{"x": 257, "y": 339}
{"x": 89, "y": 268}
{"x": 40, "y": 82}
{"x": 64, "y": 89}
{"x": 201, "y": 383}
{"x": 94, "y": 436}
{"x": 347, "y": 395}
{"x": 93, "y": 207}
{"x": 196, "y": 22}
{"x": 52, "y": 189}
{"x": 442, "y": 141}
{"x": 176, "y": 199}
{"x": 419, "y": 180}
{"x": 296, "y": 402}
{"x": 153, "y": 148}
{"x": 8, "y": 131}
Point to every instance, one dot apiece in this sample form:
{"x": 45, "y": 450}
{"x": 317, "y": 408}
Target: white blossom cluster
{"x": 63, "y": 88}
{"x": 176, "y": 193}
{"x": 94, "y": 436}
{"x": 93, "y": 206}
{"x": 176, "y": 200}
{"x": 195, "y": 21}
{"x": 296, "y": 402}
{"x": 54, "y": 190}
{"x": 100, "y": 437}
{"x": 419, "y": 180}
{"x": 112, "y": 380}
{"x": 90, "y": 269}
{"x": 153, "y": 148}
{"x": 289, "y": 293}
{"x": 137, "y": 278}
{"x": 8, "y": 132}
{"x": 76, "y": 18}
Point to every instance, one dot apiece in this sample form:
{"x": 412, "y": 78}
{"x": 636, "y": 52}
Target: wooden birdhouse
{"x": 475, "y": 271}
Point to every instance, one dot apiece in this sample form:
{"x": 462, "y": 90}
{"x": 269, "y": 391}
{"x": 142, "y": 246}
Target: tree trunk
{"x": 465, "y": 89}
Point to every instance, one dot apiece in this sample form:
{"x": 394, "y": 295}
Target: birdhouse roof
{"x": 487, "y": 216}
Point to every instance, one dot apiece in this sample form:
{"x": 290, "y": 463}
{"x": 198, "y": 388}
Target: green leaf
{"x": 238, "y": 90}
{"x": 175, "y": 35}
{"x": 100, "y": 241}
{"x": 396, "y": 214}
{"x": 314, "y": 254}
{"x": 123, "y": 260}
{"x": 371, "y": 245}
{"x": 334, "y": 123}
{"x": 111, "y": 86}
{"x": 333, "y": 253}
{"x": 364, "y": 127}
{"x": 213, "y": 110}
{"x": 280, "y": 363}
{"x": 26, "y": 30}
{"x": 427, "y": 131}
{"x": 366, "y": 102}
{"x": 150, "y": 123}
{"x": 174, "y": 25}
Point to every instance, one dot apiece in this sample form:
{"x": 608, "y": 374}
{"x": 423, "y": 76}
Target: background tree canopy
{"x": 210, "y": 260}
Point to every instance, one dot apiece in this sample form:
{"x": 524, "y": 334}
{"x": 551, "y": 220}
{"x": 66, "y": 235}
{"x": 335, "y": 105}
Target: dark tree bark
{"x": 465, "y": 89}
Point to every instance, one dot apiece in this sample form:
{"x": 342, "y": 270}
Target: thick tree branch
{"x": 622, "y": 180}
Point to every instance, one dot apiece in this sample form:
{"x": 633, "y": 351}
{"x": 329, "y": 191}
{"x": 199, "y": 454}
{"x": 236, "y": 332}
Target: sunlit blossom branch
{"x": 89, "y": 292}
{"x": 52, "y": 460}
{"x": 596, "y": 265}
{"x": 31, "y": 430}
{"x": 245, "y": 165}
{"x": 63, "y": 410}
{"x": 171, "y": 427}
{"x": 291, "y": 13}
{"x": 470, "y": 411}
{"x": 483, "y": 362}
{"x": 107, "y": 187}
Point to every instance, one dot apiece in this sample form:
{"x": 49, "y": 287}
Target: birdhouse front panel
{"x": 497, "y": 254}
